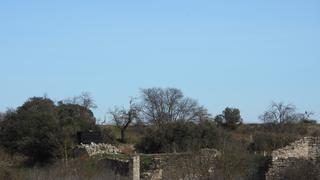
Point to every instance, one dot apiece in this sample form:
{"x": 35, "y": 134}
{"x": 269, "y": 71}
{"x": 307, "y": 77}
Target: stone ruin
{"x": 125, "y": 168}
{"x": 307, "y": 148}
{"x": 162, "y": 166}
{"x": 186, "y": 165}
{"x": 94, "y": 149}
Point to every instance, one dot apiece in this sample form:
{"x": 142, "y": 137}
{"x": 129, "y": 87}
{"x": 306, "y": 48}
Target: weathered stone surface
{"x": 134, "y": 167}
{"x": 181, "y": 165}
{"x": 163, "y": 166}
{"x": 98, "y": 149}
{"x": 307, "y": 148}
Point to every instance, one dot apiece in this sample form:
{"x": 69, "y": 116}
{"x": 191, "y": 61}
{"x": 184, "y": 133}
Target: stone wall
{"x": 134, "y": 167}
{"x": 98, "y": 149}
{"x": 118, "y": 167}
{"x": 307, "y": 148}
{"x": 161, "y": 166}
{"x": 125, "y": 169}
{"x": 181, "y": 165}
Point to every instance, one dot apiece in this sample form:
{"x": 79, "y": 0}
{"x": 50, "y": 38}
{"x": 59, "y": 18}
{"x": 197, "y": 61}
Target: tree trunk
{"x": 123, "y": 135}
{"x": 66, "y": 154}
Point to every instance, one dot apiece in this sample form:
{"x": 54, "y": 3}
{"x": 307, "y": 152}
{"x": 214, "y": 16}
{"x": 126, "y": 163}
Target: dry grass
{"x": 77, "y": 169}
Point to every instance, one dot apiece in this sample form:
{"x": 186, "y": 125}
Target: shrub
{"x": 31, "y": 130}
{"x": 179, "y": 137}
{"x": 43, "y": 131}
{"x": 263, "y": 141}
{"x": 108, "y": 135}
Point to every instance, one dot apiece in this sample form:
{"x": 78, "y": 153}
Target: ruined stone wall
{"x": 163, "y": 166}
{"x": 99, "y": 149}
{"x": 119, "y": 167}
{"x": 134, "y": 167}
{"x": 277, "y": 166}
{"x": 182, "y": 165}
{"x": 126, "y": 169}
{"x": 307, "y": 148}
{"x": 314, "y": 147}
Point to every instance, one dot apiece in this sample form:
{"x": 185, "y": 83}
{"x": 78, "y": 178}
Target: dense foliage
{"x": 179, "y": 137}
{"x": 230, "y": 118}
{"x": 42, "y": 130}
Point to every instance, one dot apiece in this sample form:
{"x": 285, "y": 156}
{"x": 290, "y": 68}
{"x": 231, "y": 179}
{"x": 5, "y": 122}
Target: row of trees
{"x": 43, "y": 129}
{"x": 160, "y": 107}
{"x": 281, "y": 113}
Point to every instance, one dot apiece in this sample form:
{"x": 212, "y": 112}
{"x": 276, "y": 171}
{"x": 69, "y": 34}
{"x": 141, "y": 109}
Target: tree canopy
{"x": 40, "y": 129}
{"x": 161, "y": 106}
{"x": 281, "y": 113}
{"x": 230, "y": 118}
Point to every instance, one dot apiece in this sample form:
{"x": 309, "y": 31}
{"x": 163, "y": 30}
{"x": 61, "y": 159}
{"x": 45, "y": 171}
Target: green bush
{"x": 31, "y": 130}
{"x": 268, "y": 142}
{"x": 179, "y": 137}
{"x": 42, "y": 131}
{"x": 146, "y": 163}
{"x": 108, "y": 135}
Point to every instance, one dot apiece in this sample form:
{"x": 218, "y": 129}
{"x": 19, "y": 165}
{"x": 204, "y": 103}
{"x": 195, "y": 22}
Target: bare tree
{"x": 280, "y": 113}
{"x": 85, "y": 99}
{"x": 305, "y": 117}
{"x": 123, "y": 117}
{"x": 160, "y": 106}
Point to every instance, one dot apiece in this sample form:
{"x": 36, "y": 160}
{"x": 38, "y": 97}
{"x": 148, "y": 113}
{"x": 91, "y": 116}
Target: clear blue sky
{"x": 234, "y": 53}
